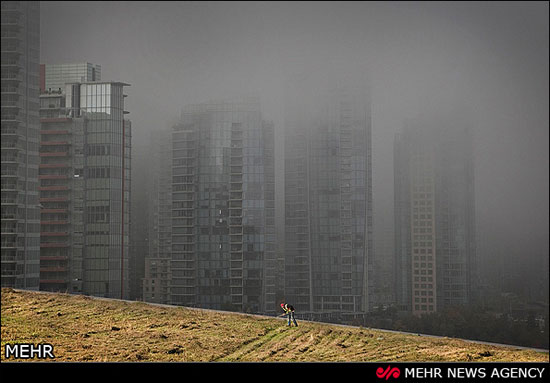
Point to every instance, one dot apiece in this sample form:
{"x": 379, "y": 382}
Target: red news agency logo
{"x": 388, "y": 372}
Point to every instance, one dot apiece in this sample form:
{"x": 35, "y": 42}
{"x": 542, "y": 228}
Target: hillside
{"x": 86, "y": 329}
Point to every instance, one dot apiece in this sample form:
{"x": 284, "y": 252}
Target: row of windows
{"x": 424, "y": 307}
{"x": 423, "y": 251}
{"x": 97, "y": 214}
{"x": 423, "y": 265}
{"x": 103, "y": 172}
{"x": 98, "y": 150}
{"x": 423, "y": 258}
{"x": 423, "y": 272}
{"x": 423, "y": 202}
{"x": 423, "y": 279}
{"x": 422, "y": 244}
{"x": 423, "y": 286}
{"x": 423, "y": 300}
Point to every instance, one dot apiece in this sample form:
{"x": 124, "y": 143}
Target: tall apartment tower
{"x": 20, "y": 218}
{"x": 328, "y": 203}
{"x": 223, "y": 208}
{"x": 85, "y": 153}
{"x": 435, "y": 264}
{"x": 156, "y": 282}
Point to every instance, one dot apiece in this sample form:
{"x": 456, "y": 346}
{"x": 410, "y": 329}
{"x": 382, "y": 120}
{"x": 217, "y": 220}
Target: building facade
{"x": 61, "y": 188}
{"x": 223, "y": 222}
{"x": 156, "y": 283}
{"x": 435, "y": 264}
{"x": 85, "y": 153}
{"x": 328, "y": 204}
{"x": 20, "y": 218}
{"x": 55, "y": 76}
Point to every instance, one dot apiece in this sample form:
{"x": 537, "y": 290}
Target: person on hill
{"x": 289, "y": 310}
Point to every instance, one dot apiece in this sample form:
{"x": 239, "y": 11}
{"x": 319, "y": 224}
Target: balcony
{"x": 53, "y": 177}
{"x": 10, "y": 186}
{"x": 53, "y": 166}
{"x": 236, "y": 152}
{"x": 54, "y": 154}
{"x": 54, "y": 199}
{"x": 54, "y": 244}
{"x": 235, "y": 204}
{"x": 54, "y": 119}
{"x": 10, "y": 105}
{"x": 52, "y": 143}
{"x": 10, "y": 144}
{"x": 53, "y": 258}
{"x": 10, "y": 131}
{"x": 52, "y": 269}
{"x": 8, "y": 201}
{"x": 11, "y": 6}
{"x": 53, "y": 131}
{"x": 46, "y": 211}
{"x": 8, "y": 76}
{"x": 10, "y": 90}
{"x": 52, "y": 281}
{"x": 54, "y": 222}
{"x": 53, "y": 188}
{"x": 11, "y": 37}
{"x": 53, "y": 234}
{"x": 7, "y": 174}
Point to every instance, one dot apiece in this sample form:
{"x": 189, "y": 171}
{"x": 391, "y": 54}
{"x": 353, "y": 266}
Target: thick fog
{"x": 485, "y": 61}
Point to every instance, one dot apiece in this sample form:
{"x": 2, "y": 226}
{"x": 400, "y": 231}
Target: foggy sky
{"x": 489, "y": 59}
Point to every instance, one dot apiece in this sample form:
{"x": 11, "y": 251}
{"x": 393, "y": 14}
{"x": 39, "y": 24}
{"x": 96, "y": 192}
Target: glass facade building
{"x": 328, "y": 204}
{"x": 85, "y": 154}
{"x": 20, "y": 217}
{"x": 223, "y": 217}
{"x": 435, "y": 256}
{"x": 55, "y": 76}
{"x": 106, "y": 177}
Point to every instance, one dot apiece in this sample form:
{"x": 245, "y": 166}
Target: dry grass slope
{"x": 85, "y": 329}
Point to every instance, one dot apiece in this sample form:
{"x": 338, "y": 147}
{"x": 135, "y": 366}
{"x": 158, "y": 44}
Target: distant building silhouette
{"x": 223, "y": 208}
{"x": 158, "y": 271}
{"x": 435, "y": 264}
{"x": 328, "y": 201}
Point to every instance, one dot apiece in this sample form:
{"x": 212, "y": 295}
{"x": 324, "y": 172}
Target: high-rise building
{"x": 156, "y": 282}
{"x": 85, "y": 154}
{"x": 435, "y": 264}
{"x": 383, "y": 264}
{"x": 328, "y": 202}
{"x": 223, "y": 217}
{"x": 55, "y": 76}
{"x": 61, "y": 188}
{"x": 20, "y": 230}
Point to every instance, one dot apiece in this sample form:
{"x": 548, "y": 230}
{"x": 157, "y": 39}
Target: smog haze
{"x": 484, "y": 64}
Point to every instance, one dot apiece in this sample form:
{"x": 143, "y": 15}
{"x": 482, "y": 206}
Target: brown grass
{"x": 84, "y": 329}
